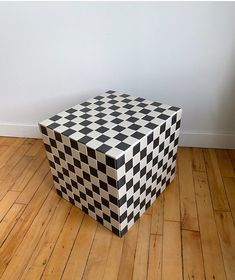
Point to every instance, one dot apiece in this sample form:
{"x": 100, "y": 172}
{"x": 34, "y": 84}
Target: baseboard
{"x": 207, "y": 140}
{"x": 19, "y": 130}
{"x": 187, "y": 139}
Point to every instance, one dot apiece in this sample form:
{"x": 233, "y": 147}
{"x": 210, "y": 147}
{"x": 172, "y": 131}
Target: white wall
{"x": 56, "y": 54}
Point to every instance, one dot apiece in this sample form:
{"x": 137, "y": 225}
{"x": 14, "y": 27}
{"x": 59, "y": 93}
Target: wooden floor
{"x": 188, "y": 233}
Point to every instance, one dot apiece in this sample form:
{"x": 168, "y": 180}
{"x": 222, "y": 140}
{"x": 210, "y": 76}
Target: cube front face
{"x": 112, "y": 155}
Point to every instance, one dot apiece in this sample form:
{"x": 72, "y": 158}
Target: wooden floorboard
{"x": 188, "y": 233}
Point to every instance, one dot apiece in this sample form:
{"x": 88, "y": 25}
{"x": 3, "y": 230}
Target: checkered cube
{"x": 112, "y": 155}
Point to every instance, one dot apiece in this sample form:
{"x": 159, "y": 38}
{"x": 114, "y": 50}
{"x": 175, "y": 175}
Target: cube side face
{"x": 148, "y": 168}
{"x": 84, "y": 177}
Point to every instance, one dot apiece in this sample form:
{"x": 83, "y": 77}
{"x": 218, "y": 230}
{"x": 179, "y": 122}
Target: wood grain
{"x": 218, "y": 195}
{"x": 171, "y": 257}
{"x": 187, "y": 195}
{"x": 187, "y": 233}
{"x": 226, "y": 232}
{"x": 192, "y": 255}
{"x": 213, "y": 261}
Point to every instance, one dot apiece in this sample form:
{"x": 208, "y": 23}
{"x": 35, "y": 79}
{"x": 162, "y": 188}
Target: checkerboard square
{"x": 113, "y": 155}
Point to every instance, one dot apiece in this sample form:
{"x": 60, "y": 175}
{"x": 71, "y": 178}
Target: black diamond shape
{"x": 118, "y": 128}
{"x": 56, "y": 159}
{"x": 110, "y": 161}
{"x": 67, "y": 150}
{"x": 77, "y": 163}
{"x": 120, "y": 137}
{"x": 112, "y": 181}
{"x": 71, "y": 111}
{"x": 68, "y": 132}
{"x": 58, "y": 136}
{"x": 112, "y": 101}
{"x": 156, "y": 104}
{"x": 139, "y": 99}
{"x": 55, "y": 118}
{"x": 143, "y": 153}
{"x": 142, "y": 172}
{"x": 61, "y": 155}
{"x": 95, "y": 189}
{"x": 162, "y": 128}
{"x": 83, "y": 158}
{"x": 173, "y": 120}
{"x": 150, "y": 138}
{"x": 85, "y": 116}
{"x": 85, "y": 103}
{"x": 134, "y": 127}
{"x": 147, "y": 118}
{"x": 110, "y": 91}
{"x": 100, "y": 115}
{"x": 85, "y": 130}
{"x": 114, "y": 107}
{"x": 173, "y": 108}
{"x": 99, "y": 102}
{"x": 99, "y": 97}
{"x": 111, "y": 96}
{"x": 178, "y": 125}
{"x": 74, "y": 144}
{"x": 102, "y": 129}
{"x": 128, "y": 106}
{"x": 126, "y": 100}
{"x": 163, "y": 117}
{"x": 101, "y": 122}
{"x": 43, "y": 130}
{"x": 129, "y": 165}
{"x": 129, "y": 184}
{"x": 85, "y": 110}
{"x": 151, "y": 125}
{"x": 48, "y": 148}
{"x": 101, "y": 167}
{"x": 100, "y": 108}
{"x": 115, "y": 114}
{"x": 137, "y": 135}
{"x": 132, "y": 119}
{"x": 71, "y": 168}
{"x": 160, "y": 110}
{"x": 145, "y": 111}
{"x": 85, "y": 123}
{"x": 91, "y": 153}
{"x": 103, "y": 138}
{"x": 117, "y": 120}
{"x": 161, "y": 147}
{"x": 167, "y": 133}
{"x": 136, "y": 149}
{"x": 149, "y": 157}
{"x": 136, "y": 169}
{"x": 86, "y": 176}
{"x": 69, "y": 124}
{"x": 123, "y": 146}
{"x": 85, "y": 139}
{"x": 172, "y": 138}
{"x": 103, "y": 148}
{"x": 70, "y": 117}
{"x": 120, "y": 161}
{"x": 142, "y": 105}
{"x": 53, "y": 125}
{"x": 124, "y": 95}
{"x": 130, "y": 112}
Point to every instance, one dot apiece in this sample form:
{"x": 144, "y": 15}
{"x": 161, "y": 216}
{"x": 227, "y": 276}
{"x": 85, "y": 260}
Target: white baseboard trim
{"x": 19, "y": 130}
{"x": 207, "y": 140}
{"x": 187, "y": 139}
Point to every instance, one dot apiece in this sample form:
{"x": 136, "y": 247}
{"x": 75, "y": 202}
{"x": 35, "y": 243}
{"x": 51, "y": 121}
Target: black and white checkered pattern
{"x": 112, "y": 155}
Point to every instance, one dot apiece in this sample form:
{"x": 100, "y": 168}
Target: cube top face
{"x": 111, "y": 123}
